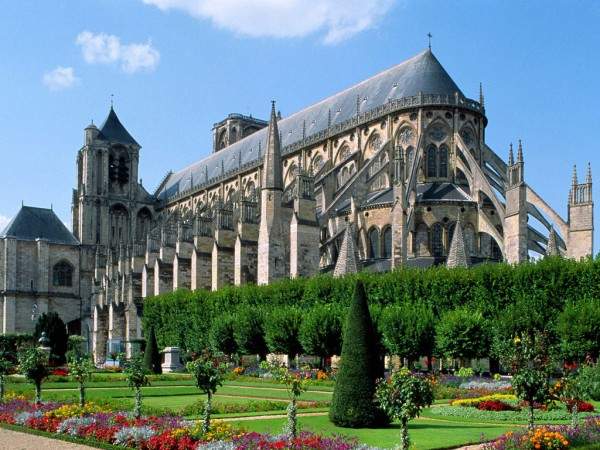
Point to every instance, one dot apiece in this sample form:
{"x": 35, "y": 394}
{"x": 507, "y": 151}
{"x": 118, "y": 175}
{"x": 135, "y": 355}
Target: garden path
{"x": 13, "y": 440}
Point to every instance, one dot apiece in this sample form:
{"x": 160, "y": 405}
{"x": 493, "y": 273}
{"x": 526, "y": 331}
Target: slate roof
{"x": 440, "y": 191}
{"x": 38, "y": 223}
{"x": 112, "y": 130}
{"x": 421, "y": 73}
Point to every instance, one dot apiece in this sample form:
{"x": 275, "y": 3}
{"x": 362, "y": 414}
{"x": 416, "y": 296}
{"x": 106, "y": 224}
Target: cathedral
{"x": 392, "y": 172}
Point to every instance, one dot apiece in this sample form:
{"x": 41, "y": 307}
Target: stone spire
{"x": 346, "y": 262}
{"x": 574, "y": 181}
{"x": 511, "y": 158}
{"x": 588, "y": 178}
{"x": 457, "y": 255}
{"x": 552, "y": 247}
{"x": 481, "y": 100}
{"x": 272, "y": 177}
{"x": 520, "y": 152}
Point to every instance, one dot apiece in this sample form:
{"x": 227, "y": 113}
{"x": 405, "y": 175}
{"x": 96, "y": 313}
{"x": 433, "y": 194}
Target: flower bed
{"x": 150, "y": 433}
{"x": 556, "y": 437}
{"x": 474, "y": 402}
{"x": 522, "y": 415}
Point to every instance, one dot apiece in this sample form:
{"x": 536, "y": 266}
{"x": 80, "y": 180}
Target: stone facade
{"x": 376, "y": 175}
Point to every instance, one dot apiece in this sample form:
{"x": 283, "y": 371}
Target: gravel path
{"x": 13, "y": 440}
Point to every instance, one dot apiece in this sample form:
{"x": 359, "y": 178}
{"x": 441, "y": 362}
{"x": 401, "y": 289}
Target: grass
{"x": 425, "y": 433}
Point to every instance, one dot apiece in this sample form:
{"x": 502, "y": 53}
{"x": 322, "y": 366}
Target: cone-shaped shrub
{"x": 151, "y": 354}
{"x": 353, "y": 402}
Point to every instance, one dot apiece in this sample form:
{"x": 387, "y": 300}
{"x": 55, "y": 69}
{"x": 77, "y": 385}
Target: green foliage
{"x": 282, "y": 330}
{"x": 11, "y": 344}
{"x": 353, "y": 403}
{"x": 321, "y": 331}
{"x": 579, "y": 330}
{"x": 56, "y": 331}
{"x": 465, "y": 372}
{"x": 539, "y": 290}
{"x": 295, "y": 385}
{"x": 222, "y": 335}
{"x": 409, "y": 330}
{"x": 152, "y": 360}
{"x": 6, "y": 368}
{"x": 589, "y": 375}
{"x": 208, "y": 374}
{"x": 462, "y": 333}
{"x": 403, "y": 397}
{"x": 81, "y": 368}
{"x": 33, "y": 363}
{"x": 249, "y": 332}
{"x": 137, "y": 377}
{"x": 532, "y": 361}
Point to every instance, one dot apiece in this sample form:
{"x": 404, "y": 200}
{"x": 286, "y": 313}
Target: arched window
{"x": 421, "y": 245}
{"x": 437, "y": 243}
{"x": 431, "y": 162}
{"x": 387, "y": 243}
{"x": 144, "y": 219}
{"x": 374, "y": 243}
{"x": 443, "y": 154}
{"x": 62, "y": 274}
{"x": 250, "y": 191}
{"x": 469, "y": 240}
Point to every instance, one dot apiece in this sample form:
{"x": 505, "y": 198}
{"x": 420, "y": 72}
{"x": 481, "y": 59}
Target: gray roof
{"x": 38, "y": 223}
{"x": 440, "y": 191}
{"x": 422, "y": 73}
{"x": 112, "y": 130}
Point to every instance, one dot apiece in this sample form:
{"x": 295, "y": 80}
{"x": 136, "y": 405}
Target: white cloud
{"x": 60, "y": 78}
{"x": 3, "y": 222}
{"x": 102, "y": 48}
{"x": 336, "y": 19}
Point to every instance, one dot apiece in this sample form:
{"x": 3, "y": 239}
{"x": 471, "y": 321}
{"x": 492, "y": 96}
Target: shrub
{"x": 353, "y": 403}
{"x": 579, "y": 330}
{"x": 208, "y": 374}
{"x": 152, "y": 359}
{"x": 33, "y": 363}
{"x": 249, "y": 332}
{"x": 590, "y": 377}
{"x": 403, "y": 397}
{"x": 282, "y": 329}
{"x": 321, "y": 331}
{"x": 408, "y": 330}
{"x": 137, "y": 377}
{"x": 222, "y": 335}
{"x": 56, "y": 332}
{"x": 462, "y": 333}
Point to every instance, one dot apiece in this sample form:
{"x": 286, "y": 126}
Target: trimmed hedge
{"x": 489, "y": 288}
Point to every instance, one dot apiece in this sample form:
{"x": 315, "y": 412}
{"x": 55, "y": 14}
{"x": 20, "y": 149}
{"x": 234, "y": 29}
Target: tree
{"x": 56, "y": 332}
{"x": 249, "y": 332}
{"x": 137, "y": 377}
{"x": 6, "y": 365}
{"x": 33, "y": 363}
{"x": 532, "y": 360}
{"x": 208, "y": 375}
{"x": 282, "y": 331}
{"x": 295, "y": 386}
{"x": 403, "y": 396}
{"x": 321, "y": 332}
{"x": 353, "y": 403}
{"x": 462, "y": 333}
{"x": 578, "y": 327}
{"x": 222, "y": 335}
{"x": 81, "y": 368}
{"x": 409, "y": 331}
{"x": 151, "y": 354}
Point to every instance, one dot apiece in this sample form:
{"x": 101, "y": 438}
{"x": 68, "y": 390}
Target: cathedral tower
{"x": 515, "y": 222}
{"x": 271, "y": 237}
{"x": 581, "y": 217}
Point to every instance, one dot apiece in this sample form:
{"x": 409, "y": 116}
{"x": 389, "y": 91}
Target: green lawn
{"x": 425, "y": 433}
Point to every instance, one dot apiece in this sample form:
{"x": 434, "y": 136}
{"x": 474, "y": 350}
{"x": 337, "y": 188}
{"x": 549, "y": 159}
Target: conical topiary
{"x": 151, "y": 353}
{"x": 353, "y": 403}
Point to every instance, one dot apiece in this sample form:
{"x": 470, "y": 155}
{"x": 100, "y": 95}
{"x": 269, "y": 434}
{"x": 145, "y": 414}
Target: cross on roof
{"x": 429, "y": 36}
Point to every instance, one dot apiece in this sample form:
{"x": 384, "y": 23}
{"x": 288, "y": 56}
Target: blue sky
{"x": 177, "y": 66}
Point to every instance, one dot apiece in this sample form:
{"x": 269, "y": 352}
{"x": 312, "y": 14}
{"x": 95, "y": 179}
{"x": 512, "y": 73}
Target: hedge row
{"x": 183, "y": 317}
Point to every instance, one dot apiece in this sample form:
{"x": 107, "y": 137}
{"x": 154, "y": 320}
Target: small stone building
{"x": 39, "y": 271}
